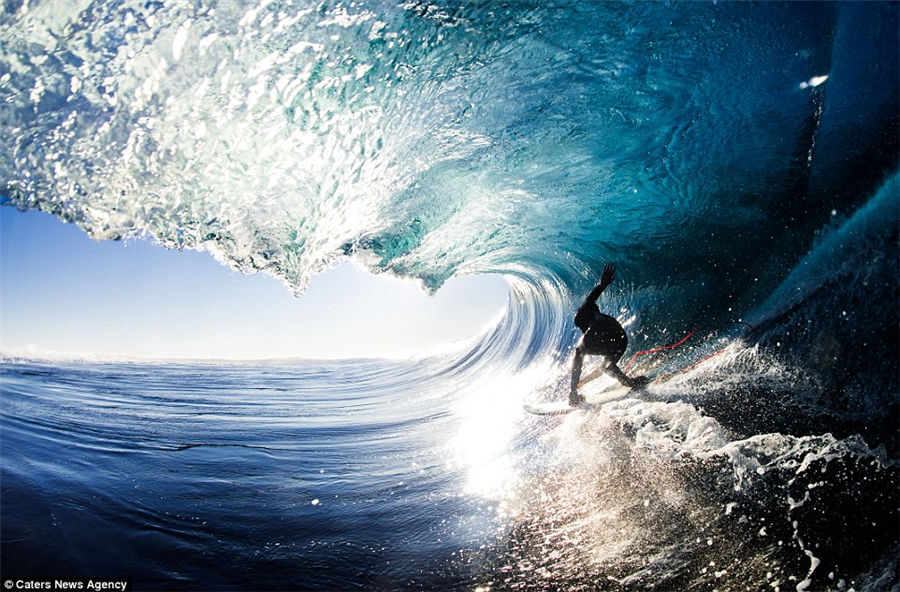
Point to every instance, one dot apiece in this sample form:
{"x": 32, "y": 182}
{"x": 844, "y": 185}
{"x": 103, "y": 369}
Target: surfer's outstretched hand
{"x": 609, "y": 274}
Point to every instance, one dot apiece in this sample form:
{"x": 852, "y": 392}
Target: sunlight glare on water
{"x": 483, "y": 445}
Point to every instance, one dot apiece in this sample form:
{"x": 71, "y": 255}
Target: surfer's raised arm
{"x": 588, "y": 310}
{"x": 609, "y": 274}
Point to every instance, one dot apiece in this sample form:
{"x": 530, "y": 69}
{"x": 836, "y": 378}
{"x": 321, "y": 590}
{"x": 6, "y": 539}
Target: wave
{"x": 433, "y": 141}
{"x": 739, "y": 163}
{"x": 429, "y": 141}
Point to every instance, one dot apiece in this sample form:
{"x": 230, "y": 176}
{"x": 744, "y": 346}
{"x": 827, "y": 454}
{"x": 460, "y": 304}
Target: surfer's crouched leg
{"x": 614, "y": 371}
{"x": 574, "y": 398}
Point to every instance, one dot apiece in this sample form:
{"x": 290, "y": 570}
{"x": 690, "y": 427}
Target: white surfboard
{"x": 593, "y": 401}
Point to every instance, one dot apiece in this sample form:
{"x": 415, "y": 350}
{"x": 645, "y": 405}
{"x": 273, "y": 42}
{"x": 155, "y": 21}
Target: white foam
{"x": 814, "y": 82}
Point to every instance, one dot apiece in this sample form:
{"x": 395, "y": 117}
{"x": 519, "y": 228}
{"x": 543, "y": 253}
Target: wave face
{"x": 738, "y": 161}
{"x": 434, "y": 139}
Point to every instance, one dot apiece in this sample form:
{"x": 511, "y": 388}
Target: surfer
{"x": 603, "y": 336}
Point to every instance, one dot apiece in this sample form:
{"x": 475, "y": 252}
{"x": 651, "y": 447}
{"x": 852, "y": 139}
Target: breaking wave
{"x": 738, "y": 162}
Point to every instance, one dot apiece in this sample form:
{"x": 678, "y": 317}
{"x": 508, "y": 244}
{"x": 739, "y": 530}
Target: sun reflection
{"x": 489, "y": 414}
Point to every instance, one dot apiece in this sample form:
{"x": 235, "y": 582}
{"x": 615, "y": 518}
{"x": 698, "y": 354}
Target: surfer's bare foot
{"x": 637, "y": 381}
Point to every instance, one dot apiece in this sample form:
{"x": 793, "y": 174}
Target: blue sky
{"x": 62, "y": 293}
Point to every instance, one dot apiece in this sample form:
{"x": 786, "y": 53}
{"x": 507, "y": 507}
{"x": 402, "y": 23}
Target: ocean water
{"x": 738, "y": 161}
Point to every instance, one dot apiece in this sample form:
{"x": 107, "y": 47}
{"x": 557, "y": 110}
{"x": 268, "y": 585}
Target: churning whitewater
{"x": 738, "y": 161}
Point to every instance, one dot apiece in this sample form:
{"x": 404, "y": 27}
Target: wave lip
{"x": 433, "y": 143}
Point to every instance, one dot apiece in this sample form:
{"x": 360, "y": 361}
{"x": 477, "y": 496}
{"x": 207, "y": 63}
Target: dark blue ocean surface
{"x": 738, "y": 161}
{"x": 317, "y": 476}
{"x": 380, "y": 475}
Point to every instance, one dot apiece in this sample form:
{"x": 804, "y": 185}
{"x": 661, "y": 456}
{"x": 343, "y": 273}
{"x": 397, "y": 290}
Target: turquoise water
{"x": 737, "y": 161}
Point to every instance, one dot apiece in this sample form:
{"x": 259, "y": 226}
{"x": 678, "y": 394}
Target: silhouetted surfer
{"x": 603, "y": 336}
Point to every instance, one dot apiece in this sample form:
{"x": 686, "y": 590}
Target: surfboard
{"x": 592, "y": 402}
